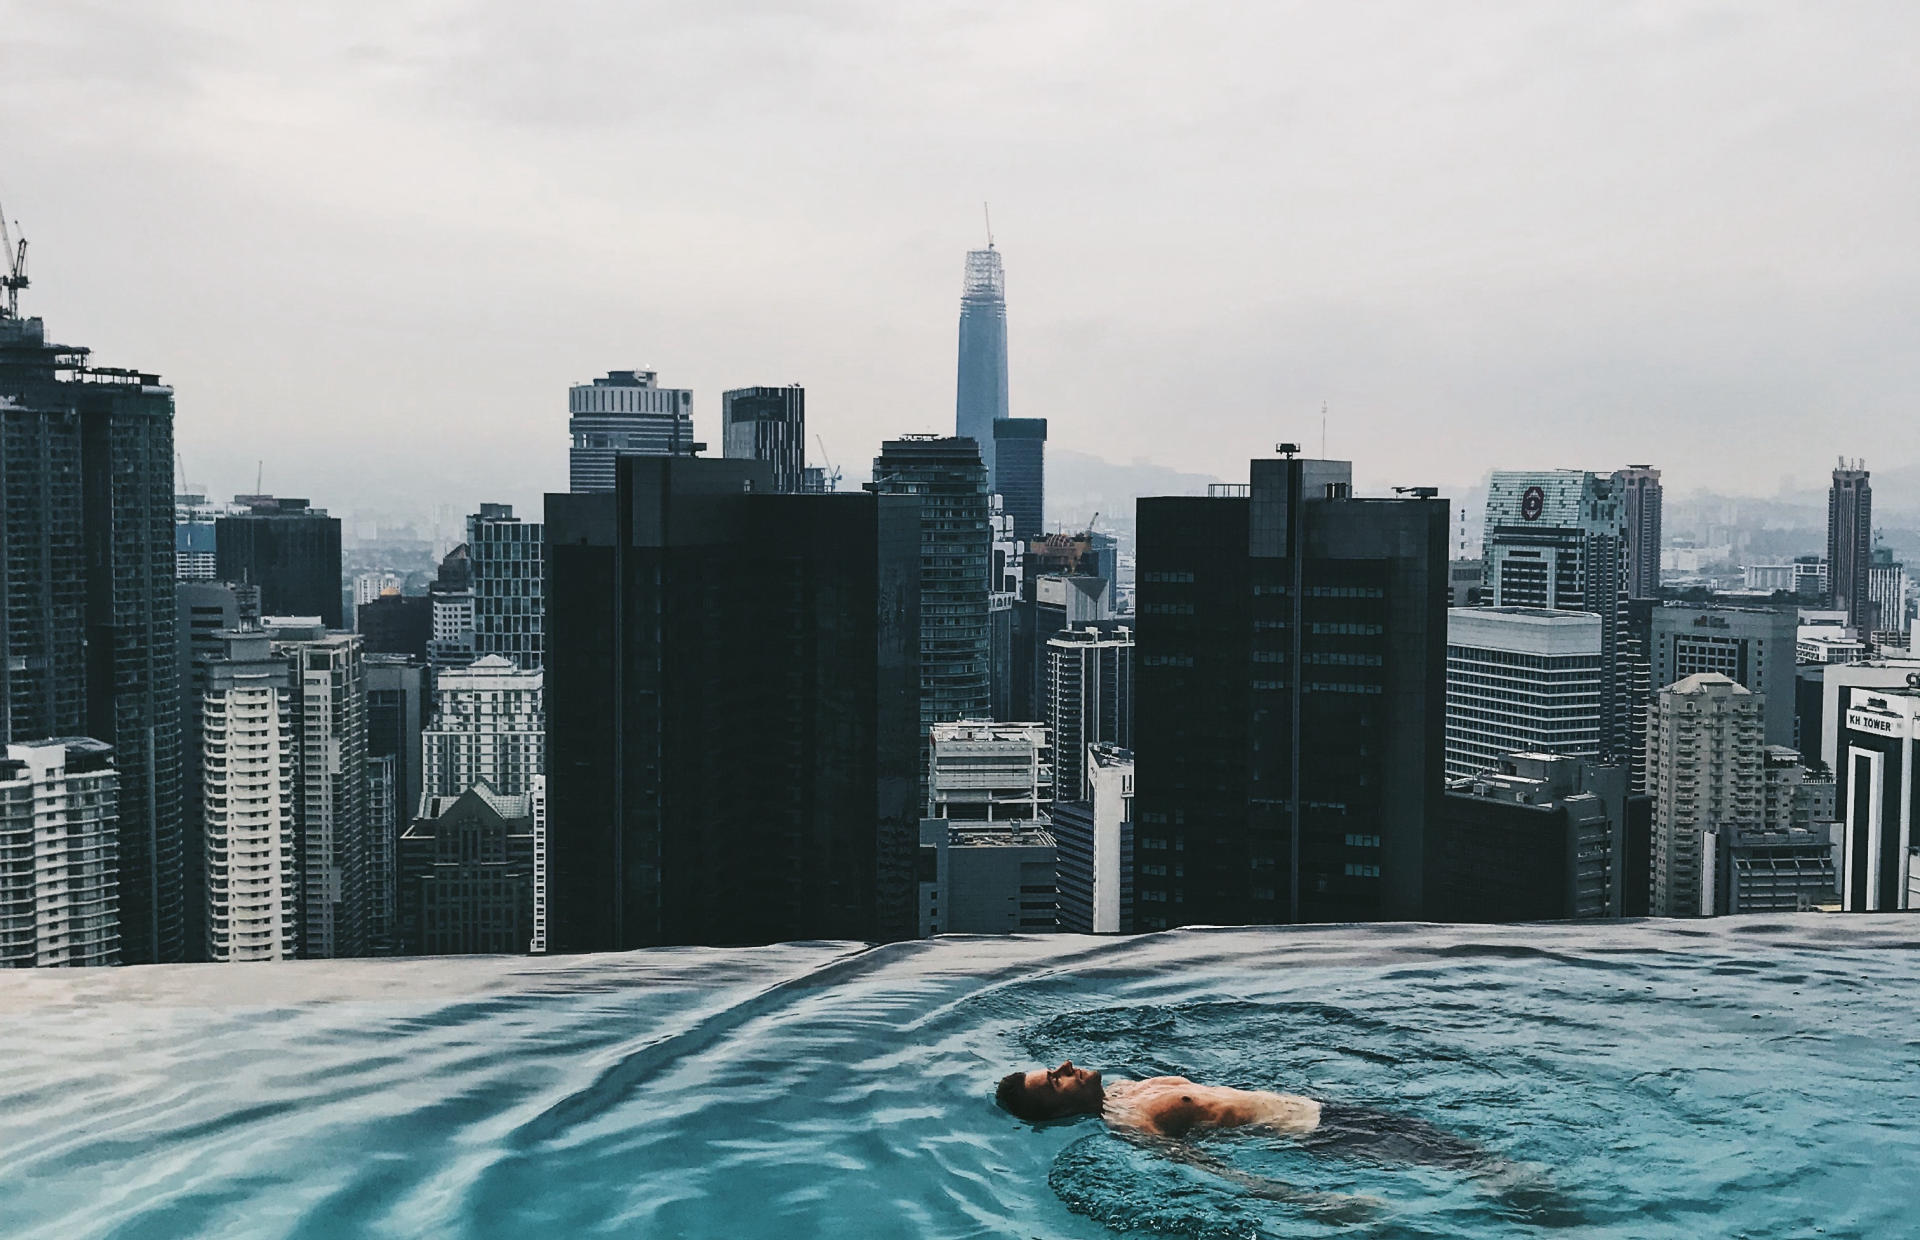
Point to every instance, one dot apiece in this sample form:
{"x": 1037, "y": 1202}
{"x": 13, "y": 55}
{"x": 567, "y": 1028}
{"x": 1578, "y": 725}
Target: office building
{"x": 1521, "y": 680}
{"x": 1557, "y": 538}
{"x": 1089, "y": 700}
{"x": 398, "y": 624}
{"x": 1750, "y": 869}
{"x": 87, "y": 561}
{"x": 1640, "y": 496}
{"x": 1290, "y": 664}
{"x": 397, "y": 702}
{"x": 452, "y": 641}
{"x": 1754, "y": 646}
{"x": 1850, "y": 545}
{"x": 981, "y": 771}
{"x": 732, "y": 707}
{"x": 383, "y": 855}
{"x": 1706, "y": 741}
{"x": 1887, "y": 591}
{"x": 768, "y": 424}
{"x": 329, "y": 690}
{"x": 250, "y": 770}
{"x": 1794, "y": 795}
{"x": 956, "y": 547}
{"x": 987, "y": 878}
{"x": 1003, "y": 595}
{"x": 1094, "y": 837}
{"x": 1463, "y": 582}
{"x": 626, "y": 413}
{"x": 1823, "y": 645}
{"x": 59, "y": 846}
{"x": 488, "y": 727}
{"x": 1836, "y": 690}
{"x": 509, "y": 585}
{"x": 1535, "y": 837}
{"x": 980, "y": 397}
{"x": 289, "y": 549}
{"x": 1020, "y": 472}
{"x": 466, "y": 875}
{"x": 194, "y": 555}
{"x": 1875, "y": 783}
{"x": 370, "y": 586}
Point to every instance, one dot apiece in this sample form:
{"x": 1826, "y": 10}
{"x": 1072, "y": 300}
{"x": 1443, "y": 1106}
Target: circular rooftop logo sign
{"x": 1533, "y": 503}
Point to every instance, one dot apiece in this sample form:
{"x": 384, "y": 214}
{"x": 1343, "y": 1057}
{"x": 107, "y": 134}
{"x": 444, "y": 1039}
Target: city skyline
{"x": 1440, "y": 264}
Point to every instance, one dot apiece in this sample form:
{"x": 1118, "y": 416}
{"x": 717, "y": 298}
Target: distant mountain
{"x": 1079, "y": 485}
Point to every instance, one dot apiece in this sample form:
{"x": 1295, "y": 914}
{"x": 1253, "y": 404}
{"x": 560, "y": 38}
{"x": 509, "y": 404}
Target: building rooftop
{"x": 1035, "y": 834}
{"x": 1711, "y": 684}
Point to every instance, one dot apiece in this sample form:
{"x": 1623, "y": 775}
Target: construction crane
{"x": 828, "y": 470}
{"x": 1091, "y": 522}
{"x": 16, "y": 277}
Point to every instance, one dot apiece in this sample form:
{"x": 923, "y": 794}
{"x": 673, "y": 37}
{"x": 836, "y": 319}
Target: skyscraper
{"x": 289, "y": 549}
{"x": 1520, "y": 680}
{"x": 58, "y": 844}
{"x": 1020, "y": 472}
{"x": 466, "y": 875}
{"x": 1706, "y": 740}
{"x": 1291, "y": 667}
{"x": 1089, "y": 697}
{"x": 1639, "y": 488}
{"x": 87, "y": 562}
{"x": 956, "y": 546}
{"x": 1753, "y": 646}
{"x": 768, "y": 424}
{"x": 626, "y": 413}
{"x": 1557, "y": 538}
{"x": 1880, "y": 850}
{"x": 1094, "y": 871}
{"x": 981, "y": 393}
{"x": 208, "y": 613}
{"x": 250, "y": 832}
{"x": 1887, "y": 590}
{"x": 509, "y": 586}
{"x": 1850, "y": 545}
{"x": 732, "y": 699}
{"x": 488, "y": 727}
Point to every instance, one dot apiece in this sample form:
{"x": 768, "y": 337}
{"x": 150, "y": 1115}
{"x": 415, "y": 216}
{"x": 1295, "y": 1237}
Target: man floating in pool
{"x": 1172, "y": 1109}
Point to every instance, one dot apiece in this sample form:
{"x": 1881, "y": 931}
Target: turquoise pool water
{"x": 1742, "y": 1077}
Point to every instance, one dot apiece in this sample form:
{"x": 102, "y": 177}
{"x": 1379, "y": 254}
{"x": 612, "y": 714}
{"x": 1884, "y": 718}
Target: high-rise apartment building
{"x": 1706, "y": 743}
{"x": 1557, "y": 538}
{"x": 1291, "y": 670}
{"x": 509, "y": 585}
{"x": 981, "y": 771}
{"x": 1521, "y": 680}
{"x": 981, "y": 392}
{"x": 1753, "y": 646}
{"x": 1534, "y": 837}
{"x": 626, "y": 413}
{"x": 1020, "y": 472}
{"x": 732, "y": 705}
{"x": 59, "y": 846}
{"x": 956, "y": 545}
{"x": 1640, "y": 496}
{"x": 208, "y": 612}
{"x": 250, "y": 771}
{"x": 288, "y": 548}
{"x": 768, "y": 424}
{"x": 1094, "y": 871}
{"x": 329, "y": 689}
{"x": 1089, "y": 699}
{"x": 488, "y": 727}
{"x": 87, "y": 561}
{"x": 1850, "y": 545}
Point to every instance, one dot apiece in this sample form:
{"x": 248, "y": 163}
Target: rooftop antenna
{"x": 16, "y": 277}
{"x": 989, "y": 215}
{"x": 1323, "y": 430}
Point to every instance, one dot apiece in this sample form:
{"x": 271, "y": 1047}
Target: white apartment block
{"x": 488, "y": 726}
{"x": 249, "y": 769}
{"x": 59, "y": 854}
{"x": 1706, "y": 745}
{"x": 1521, "y": 680}
{"x": 981, "y": 771}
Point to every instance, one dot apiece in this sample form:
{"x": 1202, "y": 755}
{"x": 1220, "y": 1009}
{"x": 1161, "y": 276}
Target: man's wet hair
{"x": 1016, "y": 1099}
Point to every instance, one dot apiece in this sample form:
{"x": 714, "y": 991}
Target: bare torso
{"x": 1172, "y": 1106}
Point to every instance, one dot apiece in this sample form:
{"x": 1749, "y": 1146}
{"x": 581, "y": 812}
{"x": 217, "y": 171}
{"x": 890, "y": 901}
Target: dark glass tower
{"x": 981, "y": 394}
{"x": 1850, "y": 545}
{"x": 290, "y": 550}
{"x": 956, "y": 554}
{"x": 1288, "y": 727}
{"x": 1639, "y": 488}
{"x": 1020, "y": 473}
{"x": 86, "y": 586}
{"x": 767, "y": 424}
{"x": 731, "y": 707}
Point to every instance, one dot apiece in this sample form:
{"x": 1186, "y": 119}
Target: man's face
{"x": 1067, "y": 1089}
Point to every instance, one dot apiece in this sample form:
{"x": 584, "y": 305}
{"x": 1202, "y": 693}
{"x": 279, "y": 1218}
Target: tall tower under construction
{"x": 981, "y": 394}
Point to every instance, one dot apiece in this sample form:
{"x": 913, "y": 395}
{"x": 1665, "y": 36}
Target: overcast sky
{"x": 374, "y": 245}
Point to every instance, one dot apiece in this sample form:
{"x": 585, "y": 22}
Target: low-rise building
{"x": 1536, "y": 837}
{"x": 987, "y": 878}
{"x": 1757, "y": 870}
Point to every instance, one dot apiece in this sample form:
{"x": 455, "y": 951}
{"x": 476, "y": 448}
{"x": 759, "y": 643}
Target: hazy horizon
{"x": 372, "y": 249}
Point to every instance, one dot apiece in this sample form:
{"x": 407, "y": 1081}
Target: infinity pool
{"x": 1740, "y": 1077}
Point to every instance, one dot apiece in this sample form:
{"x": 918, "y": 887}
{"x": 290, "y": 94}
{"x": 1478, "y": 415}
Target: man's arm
{"x": 1336, "y": 1207}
